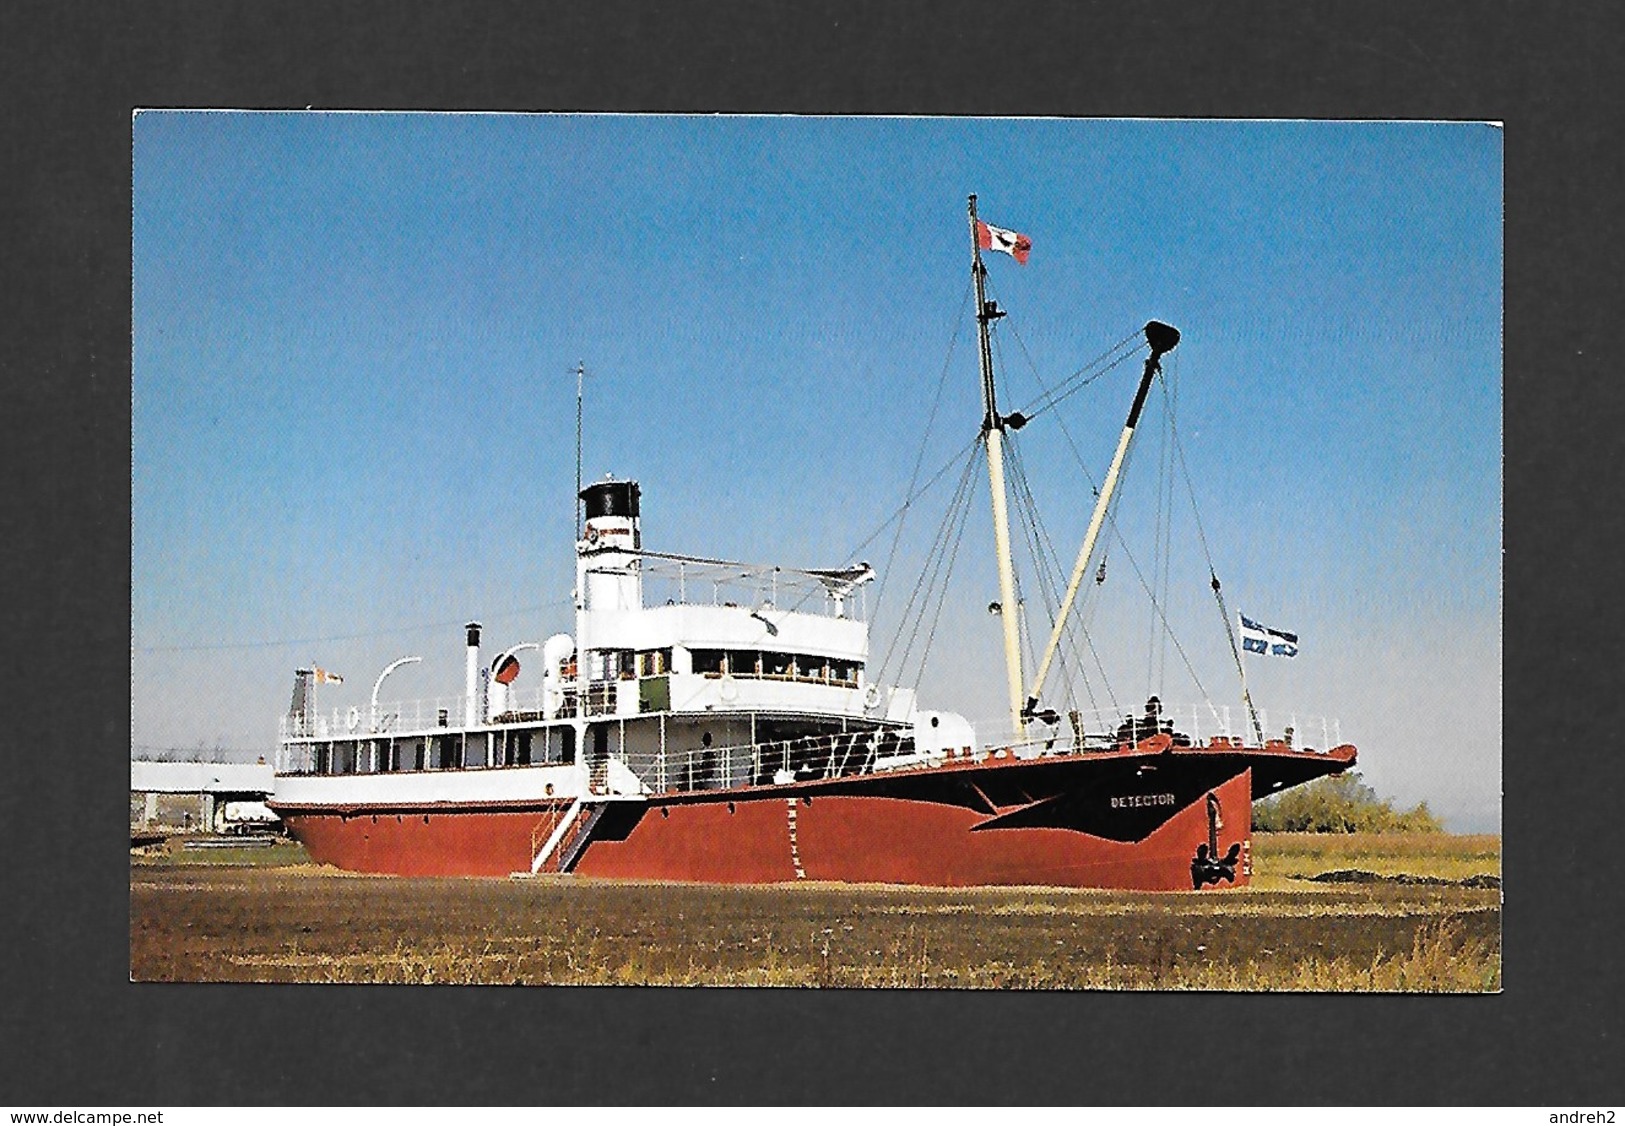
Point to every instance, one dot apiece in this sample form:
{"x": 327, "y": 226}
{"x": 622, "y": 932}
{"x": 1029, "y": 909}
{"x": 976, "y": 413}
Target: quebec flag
{"x": 1256, "y": 638}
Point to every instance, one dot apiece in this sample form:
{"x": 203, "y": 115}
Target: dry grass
{"x": 1293, "y": 856}
{"x": 304, "y": 923}
{"x": 1442, "y": 958}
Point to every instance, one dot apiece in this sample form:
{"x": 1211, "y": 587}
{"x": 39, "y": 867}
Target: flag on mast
{"x": 325, "y": 677}
{"x": 1013, "y": 243}
{"x": 1256, "y": 638}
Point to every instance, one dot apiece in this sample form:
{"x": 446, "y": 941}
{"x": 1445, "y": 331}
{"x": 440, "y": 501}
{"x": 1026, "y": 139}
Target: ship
{"x": 712, "y": 720}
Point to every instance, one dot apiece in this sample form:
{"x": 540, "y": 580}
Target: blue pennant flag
{"x": 1256, "y": 638}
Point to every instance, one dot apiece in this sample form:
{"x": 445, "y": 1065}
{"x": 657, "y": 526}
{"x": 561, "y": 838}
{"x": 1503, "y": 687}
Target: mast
{"x": 1161, "y": 338}
{"x": 993, "y": 433}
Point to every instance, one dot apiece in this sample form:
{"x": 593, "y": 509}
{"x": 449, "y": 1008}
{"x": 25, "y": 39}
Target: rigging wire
{"x": 1088, "y": 476}
{"x": 942, "y": 596}
{"x": 1111, "y": 513}
{"x": 926, "y": 582}
{"x": 1161, "y": 528}
{"x": 1213, "y": 574}
{"x": 1111, "y": 519}
{"x": 1045, "y": 402}
{"x": 940, "y": 575}
{"x": 1170, "y": 389}
{"x": 919, "y": 457}
{"x": 1051, "y": 399}
{"x": 916, "y": 495}
{"x": 1075, "y": 626}
{"x": 1027, "y": 508}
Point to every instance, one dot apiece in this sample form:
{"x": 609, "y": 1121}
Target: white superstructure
{"x": 672, "y": 656}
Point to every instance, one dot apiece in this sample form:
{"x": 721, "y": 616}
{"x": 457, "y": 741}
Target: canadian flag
{"x": 1016, "y": 245}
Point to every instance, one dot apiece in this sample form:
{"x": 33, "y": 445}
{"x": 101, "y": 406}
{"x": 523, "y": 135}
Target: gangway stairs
{"x": 577, "y": 844}
{"x": 571, "y": 851}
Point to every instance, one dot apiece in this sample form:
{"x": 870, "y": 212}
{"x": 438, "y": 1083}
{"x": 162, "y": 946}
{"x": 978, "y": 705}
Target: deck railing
{"x": 878, "y": 751}
{"x": 846, "y": 754}
{"x": 696, "y": 582}
{"x": 407, "y": 717}
{"x": 1104, "y": 728}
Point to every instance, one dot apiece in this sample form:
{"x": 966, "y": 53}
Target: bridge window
{"x": 612, "y": 664}
{"x": 654, "y": 662}
{"x": 774, "y": 666}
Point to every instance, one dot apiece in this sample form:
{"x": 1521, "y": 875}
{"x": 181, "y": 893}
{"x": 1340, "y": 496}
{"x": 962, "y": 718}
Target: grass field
{"x": 268, "y": 915}
{"x": 1284, "y": 859}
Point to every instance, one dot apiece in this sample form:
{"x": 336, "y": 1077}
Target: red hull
{"x": 864, "y": 838}
{"x": 439, "y": 842}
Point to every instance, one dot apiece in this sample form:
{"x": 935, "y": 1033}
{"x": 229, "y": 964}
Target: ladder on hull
{"x": 570, "y": 852}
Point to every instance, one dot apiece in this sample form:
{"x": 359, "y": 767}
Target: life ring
{"x": 871, "y": 696}
{"x": 592, "y": 535}
{"x": 728, "y": 688}
{"x": 352, "y": 718}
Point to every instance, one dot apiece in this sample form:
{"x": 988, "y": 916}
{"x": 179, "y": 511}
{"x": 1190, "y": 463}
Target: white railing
{"x": 1103, "y": 728}
{"x": 877, "y": 750}
{"x": 691, "y": 582}
{"x": 409, "y": 717}
{"x": 775, "y": 763}
{"x": 845, "y": 754}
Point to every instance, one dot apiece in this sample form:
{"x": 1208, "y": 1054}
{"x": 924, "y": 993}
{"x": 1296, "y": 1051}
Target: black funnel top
{"x": 1161, "y": 337}
{"x": 611, "y": 498}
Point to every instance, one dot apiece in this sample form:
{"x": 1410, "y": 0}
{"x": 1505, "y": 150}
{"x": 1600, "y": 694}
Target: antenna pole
{"x": 581, "y": 370}
{"x": 993, "y": 435}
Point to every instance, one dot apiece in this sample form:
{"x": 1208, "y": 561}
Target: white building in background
{"x": 198, "y": 795}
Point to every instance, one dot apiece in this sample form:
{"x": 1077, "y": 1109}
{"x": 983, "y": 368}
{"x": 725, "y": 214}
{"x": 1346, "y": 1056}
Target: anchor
{"x": 1207, "y": 866}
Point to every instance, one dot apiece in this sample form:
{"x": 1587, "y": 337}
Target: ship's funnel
{"x": 1162, "y": 338}
{"x": 610, "y": 575}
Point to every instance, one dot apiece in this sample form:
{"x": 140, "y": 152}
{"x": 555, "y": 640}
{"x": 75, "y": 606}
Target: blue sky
{"x": 354, "y": 402}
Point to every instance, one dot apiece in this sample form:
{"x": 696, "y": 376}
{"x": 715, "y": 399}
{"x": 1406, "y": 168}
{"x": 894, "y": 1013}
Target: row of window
{"x": 628, "y": 664}
{"x": 780, "y": 666}
{"x": 444, "y": 752}
{"x": 625, "y": 664}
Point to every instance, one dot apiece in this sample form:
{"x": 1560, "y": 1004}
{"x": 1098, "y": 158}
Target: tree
{"x": 1340, "y": 803}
